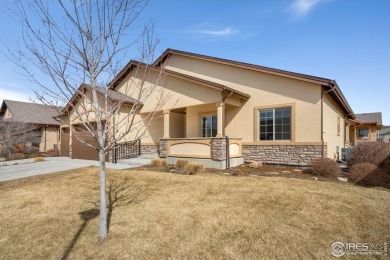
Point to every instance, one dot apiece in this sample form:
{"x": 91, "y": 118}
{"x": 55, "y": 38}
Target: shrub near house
{"x": 325, "y": 167}
{"x": 370, "y": 163}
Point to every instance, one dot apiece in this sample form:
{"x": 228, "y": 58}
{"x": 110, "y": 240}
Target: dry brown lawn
{"x": 156, "y": 215}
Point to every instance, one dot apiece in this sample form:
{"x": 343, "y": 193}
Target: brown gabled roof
{"x": 328, "y": 84}
{"x": 111, "y": 94}
{"x": 132, "y": 64}
{"x": 31, "y": 113}
{"x": 124, "y": 72}
{"x": 279, "y": 72}
{"x": 370, "y": 118}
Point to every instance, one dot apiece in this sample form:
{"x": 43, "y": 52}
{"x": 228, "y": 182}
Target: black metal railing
{"x": 127, "y": 150}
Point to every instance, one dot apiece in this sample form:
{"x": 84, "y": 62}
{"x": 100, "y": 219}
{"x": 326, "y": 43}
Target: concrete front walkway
{"x": 27, "y": 167}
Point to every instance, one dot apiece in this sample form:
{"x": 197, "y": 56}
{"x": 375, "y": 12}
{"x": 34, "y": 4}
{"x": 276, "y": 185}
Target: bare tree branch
{"x": 72, "y": 51}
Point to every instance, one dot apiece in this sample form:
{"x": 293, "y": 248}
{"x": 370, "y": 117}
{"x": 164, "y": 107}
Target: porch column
{"x": 220, "y": 116}
{"x": 347, "y": 130}
{"x": 166, "y": 123}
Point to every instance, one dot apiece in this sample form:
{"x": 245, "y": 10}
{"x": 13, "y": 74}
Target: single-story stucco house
{"x": 40, "y": 117}
{"x": 366, "y": 128}
{"x": 223, "y": 112}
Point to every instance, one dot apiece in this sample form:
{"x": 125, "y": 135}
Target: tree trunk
{"x": 103, "y": 209}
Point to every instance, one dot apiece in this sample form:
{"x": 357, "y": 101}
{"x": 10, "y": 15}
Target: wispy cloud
{"x": 302, "y": 7}
{"x": 222, "y": 32}
{"x": 208, "y": 31}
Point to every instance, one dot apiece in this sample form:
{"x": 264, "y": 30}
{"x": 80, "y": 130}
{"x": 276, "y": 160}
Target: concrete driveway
{"x": 27, "y": 167}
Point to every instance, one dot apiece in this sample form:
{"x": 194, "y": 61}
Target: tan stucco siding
{"x": 130, "y": 126}
{"x": 7, "y": 113}
{"x": 83, "y": 110}
{"x": 177, "y": 92}
{"x": 331, "y": 114}
{"x": 51, "y": 138}
{"x": 373, "y": 133}
{"x": 265, "y": 90}
{"x": 177, "y": 125}
{"x": 193, "y": 128}
{"x": 149, "y": 130}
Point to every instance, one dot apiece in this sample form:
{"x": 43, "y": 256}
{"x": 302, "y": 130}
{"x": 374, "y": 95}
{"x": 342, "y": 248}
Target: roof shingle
{"x": 370, "y": 117}
{"x": 33, "y": 113}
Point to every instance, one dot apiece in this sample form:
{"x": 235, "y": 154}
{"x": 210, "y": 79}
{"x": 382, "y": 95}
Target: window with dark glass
{"x": 275, "y": 124}
{"x": 363, "y": 132}
{"x": 209, "y": 125}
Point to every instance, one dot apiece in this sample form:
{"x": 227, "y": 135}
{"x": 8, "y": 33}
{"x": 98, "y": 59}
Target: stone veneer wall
{"x": 218, "y": 149}
{"x": 282, "y": 154}
{"x": 149, "y": 149}
{"x": 163, "y": 148}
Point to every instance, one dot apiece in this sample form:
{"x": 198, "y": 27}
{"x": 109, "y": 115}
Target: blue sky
{"x": 345, "y": 40}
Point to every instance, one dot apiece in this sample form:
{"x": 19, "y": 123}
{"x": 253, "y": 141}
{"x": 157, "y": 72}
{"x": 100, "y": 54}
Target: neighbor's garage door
{"x": 81, "y": 150}
{"x": 65, "y": 142}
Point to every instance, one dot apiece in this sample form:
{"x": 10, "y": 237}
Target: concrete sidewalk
{"x": 27, "y": 167}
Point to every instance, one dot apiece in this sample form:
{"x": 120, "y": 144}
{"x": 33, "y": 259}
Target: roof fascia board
{"x": 243, "y": 66}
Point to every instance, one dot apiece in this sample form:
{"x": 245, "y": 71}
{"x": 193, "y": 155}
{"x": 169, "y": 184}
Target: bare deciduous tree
{"x": 79, "y": 46}
{"x": 13, "y": 133}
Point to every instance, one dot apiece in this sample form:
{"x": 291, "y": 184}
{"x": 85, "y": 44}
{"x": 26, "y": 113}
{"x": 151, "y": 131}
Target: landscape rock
{"x": 342, "y": 179}
{"x": 226, "y": 173}
{"x": 2, "y": 159}
{"x": 297, "y": 170}
{"x": 286, "y": 172}
{"x": 314, "y": 178}
{"x": 255, "y": 164}
{"x": 273, "y": 173}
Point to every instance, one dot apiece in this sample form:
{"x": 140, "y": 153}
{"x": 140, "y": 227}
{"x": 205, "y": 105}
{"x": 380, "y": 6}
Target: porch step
{"x": 138, "y": 161}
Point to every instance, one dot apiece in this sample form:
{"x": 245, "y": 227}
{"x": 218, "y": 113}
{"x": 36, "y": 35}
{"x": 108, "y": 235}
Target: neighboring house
{"x": 366, "y": 127}
{"x": 384, "y": 134}
{"x": 39, "y": 116}
{"x": 223, "y": 112}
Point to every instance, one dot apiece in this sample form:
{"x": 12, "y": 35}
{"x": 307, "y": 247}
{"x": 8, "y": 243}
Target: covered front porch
{"x": 198, "y": 133}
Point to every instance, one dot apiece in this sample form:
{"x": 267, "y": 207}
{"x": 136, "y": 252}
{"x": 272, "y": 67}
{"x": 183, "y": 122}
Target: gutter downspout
{"x": 322, "y": 118}
{"x": 227, "y": 138}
